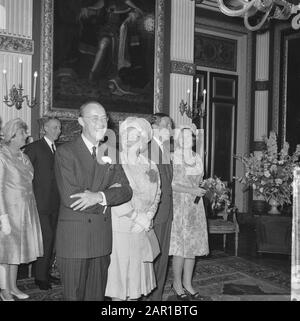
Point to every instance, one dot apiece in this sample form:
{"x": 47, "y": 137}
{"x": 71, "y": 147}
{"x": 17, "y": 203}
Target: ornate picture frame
{"x": 48, "y": 107}
{"x": 289, "y": 116}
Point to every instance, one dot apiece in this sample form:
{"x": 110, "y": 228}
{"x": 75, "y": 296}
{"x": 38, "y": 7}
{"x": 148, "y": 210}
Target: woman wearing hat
{"x": 189, "y": 236}
{"x": 20, "y": 231}
{"x": 131, "y": 274}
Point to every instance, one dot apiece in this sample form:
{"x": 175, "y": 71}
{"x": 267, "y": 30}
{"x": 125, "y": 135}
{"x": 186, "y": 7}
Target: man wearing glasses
{"x": 87, "y": 190}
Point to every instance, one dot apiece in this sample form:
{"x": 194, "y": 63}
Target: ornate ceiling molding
{"x": 208, "y": 4}
{"x": 262, "y": 85}
{"x": 183, "y": 68}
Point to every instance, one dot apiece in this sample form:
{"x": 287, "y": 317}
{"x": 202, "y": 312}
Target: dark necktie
{"x": 160, "y": 155}
{"x": 94, "y": 152}
{"x": 53, "y": 149}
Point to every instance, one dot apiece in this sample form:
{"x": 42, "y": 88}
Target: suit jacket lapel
{"x": 168, "y": 165}
{"x": 97, "y": 171}
{"x": 46, "y": 147}
{"x": 87, "y": 160}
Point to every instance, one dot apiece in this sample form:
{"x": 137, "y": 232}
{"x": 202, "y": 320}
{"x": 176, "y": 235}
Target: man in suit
{"x": 41, "y": 154}
{"x": 87, "y": 189}
{"x": 160, "y": 153}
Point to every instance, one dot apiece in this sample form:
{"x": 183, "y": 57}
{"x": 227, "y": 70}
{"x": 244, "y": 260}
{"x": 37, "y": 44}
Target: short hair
{"x": 49, "y": 118}
{"x": 82, "y": 107}
{"x": 10, "y": 129}
{"x": 179, "y": 132}
{"x": 157, "y": 117}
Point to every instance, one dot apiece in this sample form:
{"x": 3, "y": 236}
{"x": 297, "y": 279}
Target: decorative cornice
{"x": 208, "y": 4}
{"x": 215, "y": 52}
{"x": 14, "y": 44}
{"x": 183, "y": 68}
{"x": 262, "y": 85}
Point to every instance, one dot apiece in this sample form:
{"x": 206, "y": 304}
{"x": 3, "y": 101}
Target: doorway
{"x": 220, "y": 122}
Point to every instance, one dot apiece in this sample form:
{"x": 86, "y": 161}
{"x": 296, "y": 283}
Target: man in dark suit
{"x": 87, "y": 189}
{"x": 41, "y": 154}
{"x": 160, "y": 153}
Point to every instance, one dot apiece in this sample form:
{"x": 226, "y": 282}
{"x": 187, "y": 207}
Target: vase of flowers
{"x": 274, "y": 207}
{"x": 270, "y": 173}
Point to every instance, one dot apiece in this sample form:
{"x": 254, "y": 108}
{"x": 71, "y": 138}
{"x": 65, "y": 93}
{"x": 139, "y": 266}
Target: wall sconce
{"x": 185, "y": 107}
{"x": 15, "y": 95}
{"x": 194, "y": 109}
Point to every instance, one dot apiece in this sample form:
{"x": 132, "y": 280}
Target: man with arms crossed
{"x": 87, "y": 190}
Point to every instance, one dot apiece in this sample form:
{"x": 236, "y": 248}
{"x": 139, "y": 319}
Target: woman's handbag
{"x": 151, "y": 249}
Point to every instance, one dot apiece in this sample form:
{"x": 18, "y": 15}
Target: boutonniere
{"x": 106, "y": 159}
{"x": 153, "y": 175}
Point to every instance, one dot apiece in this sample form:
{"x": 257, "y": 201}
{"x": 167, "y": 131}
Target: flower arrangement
{"x": 217, "y": 192}
{"x": 269, "y": 172}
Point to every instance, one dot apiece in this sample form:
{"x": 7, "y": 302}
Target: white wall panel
{"x": 262, "y": 56}
{"x": 182, "y": 30}
{"x": 261, "y": 115}
{"x": 18, "y": 18}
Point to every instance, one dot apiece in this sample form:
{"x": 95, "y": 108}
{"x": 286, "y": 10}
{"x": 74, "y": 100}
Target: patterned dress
{"x": 131, "y": 273}
{"x": 189, "y": 237}
{"x": 24, "y": 244}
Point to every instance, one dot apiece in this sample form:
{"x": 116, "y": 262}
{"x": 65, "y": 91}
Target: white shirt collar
{"x": 50, "y": 143}
{"x": 88, "y": 144}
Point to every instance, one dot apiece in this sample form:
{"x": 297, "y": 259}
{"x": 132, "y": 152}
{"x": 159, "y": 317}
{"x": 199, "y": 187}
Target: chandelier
{"x": 263, "y": 10}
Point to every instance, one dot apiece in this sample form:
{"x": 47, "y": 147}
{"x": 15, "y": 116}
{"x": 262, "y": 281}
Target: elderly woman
{"x": 189, "y": 228}
{"x": 131, "y": 272}
{"x": 20, "y": 231}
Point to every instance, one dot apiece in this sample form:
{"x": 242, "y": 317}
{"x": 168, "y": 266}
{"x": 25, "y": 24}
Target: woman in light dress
{"x": 131, "y": 273}
{"x": 20, "y": 231}
{"x": 189, "y": 237}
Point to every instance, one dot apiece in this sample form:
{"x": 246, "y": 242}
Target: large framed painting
{"x": 110, "y": 51}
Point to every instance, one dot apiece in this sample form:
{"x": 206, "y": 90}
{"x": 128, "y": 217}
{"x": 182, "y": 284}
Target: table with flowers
{"x": 269, "y": 173}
